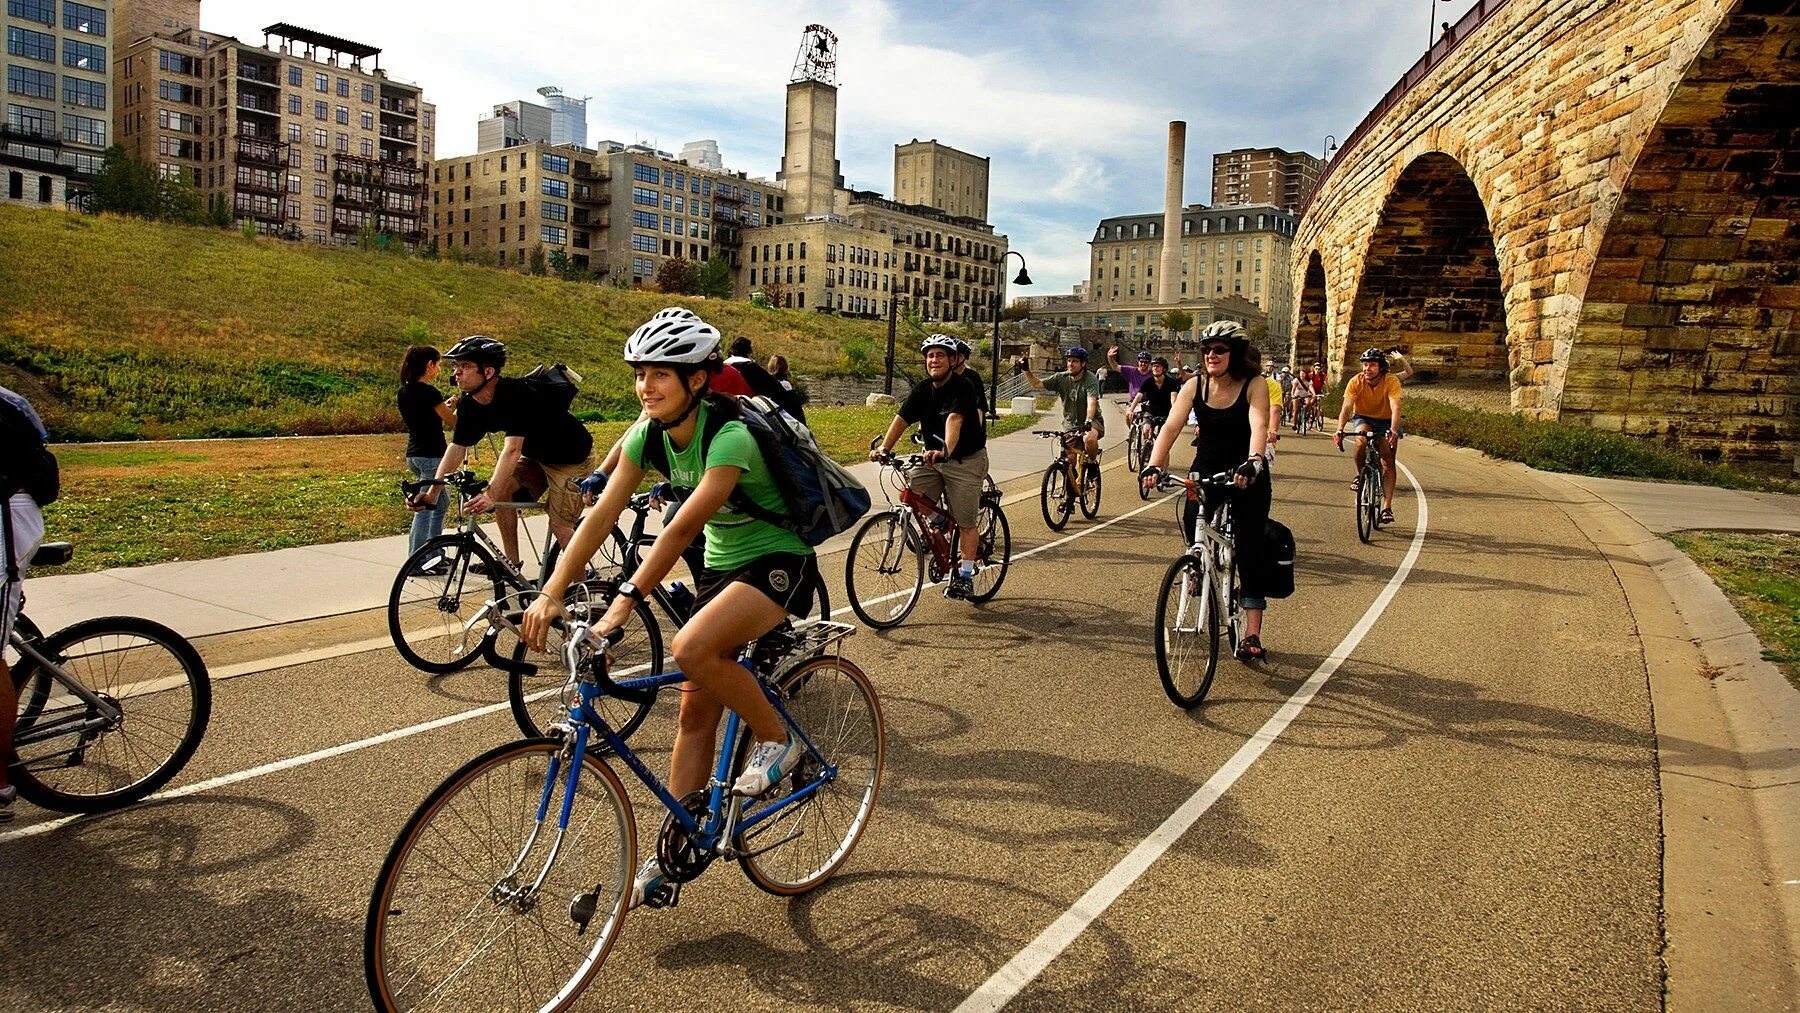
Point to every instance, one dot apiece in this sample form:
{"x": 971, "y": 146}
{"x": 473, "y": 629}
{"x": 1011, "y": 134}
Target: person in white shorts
{"x": 28, "y": 479}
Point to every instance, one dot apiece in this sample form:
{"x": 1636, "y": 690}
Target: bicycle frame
{"x": 107, "y": 713}
{"x": 1214, "y": 547}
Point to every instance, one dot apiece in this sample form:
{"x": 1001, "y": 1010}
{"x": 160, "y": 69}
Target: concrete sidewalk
{"x": 232, "y": 593}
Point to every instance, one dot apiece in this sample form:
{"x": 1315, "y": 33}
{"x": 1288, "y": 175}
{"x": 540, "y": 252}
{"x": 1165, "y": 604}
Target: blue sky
{"x": 1069, "y": 98}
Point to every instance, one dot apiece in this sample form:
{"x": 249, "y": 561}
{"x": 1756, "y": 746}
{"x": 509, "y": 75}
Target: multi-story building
{"x": 295, "y": 135}
{"x": 1225, "y": 252}
{"x": 58, "y": 99}
{"x": 500, "y": 204}
{"x": 568, "y": 116}
{"x": 937, "y": 175}
{"x": 1247, "y": 176}
{"x": 512, "y": 124}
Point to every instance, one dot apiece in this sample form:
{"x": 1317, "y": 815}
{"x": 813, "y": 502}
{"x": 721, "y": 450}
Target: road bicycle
{"x": 109, "y": 709}
{"x": 1136, "y": 459}
{"x": 1072, "y": 478}
{"x": 1197, "y": 606}
{"x": 440, "y": 587}
{"x": 532, "y": 691}
{"x": 894, "y": 551}
{"x": 509, "y": 885}
{"x": 1368, "y": 490}
{"x": 1304, "y": 418}
{"x": 1135, "y": 445}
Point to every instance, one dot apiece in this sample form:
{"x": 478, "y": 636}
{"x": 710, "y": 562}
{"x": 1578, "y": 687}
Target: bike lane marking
{"x": 1006, "y": 983}
{"x": 330, "y": 752}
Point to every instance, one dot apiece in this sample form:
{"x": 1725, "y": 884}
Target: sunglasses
{"x": 1216, "y": 350}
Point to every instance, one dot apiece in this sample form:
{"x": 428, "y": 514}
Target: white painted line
{"x": 1019, "y": 972}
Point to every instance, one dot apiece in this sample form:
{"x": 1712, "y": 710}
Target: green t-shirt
{"x": 732, "y": 539}
{"x": 1074, "y": 394}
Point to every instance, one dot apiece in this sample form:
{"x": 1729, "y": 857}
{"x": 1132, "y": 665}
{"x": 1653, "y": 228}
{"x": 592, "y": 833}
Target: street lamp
{"x": 994, "y": 377}
{"x": 1330, "y": 145}
{"x": 1431, "y": 27}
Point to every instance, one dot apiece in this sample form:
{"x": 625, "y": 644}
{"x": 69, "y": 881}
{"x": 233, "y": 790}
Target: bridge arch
{"x": 1431, "y": 281}
{"x": 1310, "y": 329}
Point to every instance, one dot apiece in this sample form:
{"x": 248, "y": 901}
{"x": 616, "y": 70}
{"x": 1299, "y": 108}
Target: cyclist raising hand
{"x": 756, "y": 573}
{"x": 1231, "y": 401}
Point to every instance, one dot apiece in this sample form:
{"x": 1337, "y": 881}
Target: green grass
{"x": 123, "y": 329}
{"x": 1761, "y": 576}
{"x": 135, "y": 504}
{"x": 1566, "y": 446}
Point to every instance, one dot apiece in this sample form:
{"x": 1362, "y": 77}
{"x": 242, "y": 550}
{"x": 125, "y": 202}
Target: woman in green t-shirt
{"x": 756, "y": 573}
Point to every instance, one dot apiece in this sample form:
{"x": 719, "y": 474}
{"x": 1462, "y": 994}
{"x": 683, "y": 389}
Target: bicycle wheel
{"x": 1134, "y": 448}
{"x": 1187, "y": 632}
{"x": 71, "y": 759}
{"x": 1055, "y": 498}
{"x": 1375, "y": 502}
{"x": 540, "y": 698}
{"x": 608, "y": 561}
{"x": 833, "y": 701}
{"x": 1090, "y": 492}
{"x": 996, "y": 551}
{"x": 33, "y": 705}
{"x": 884, "y": 570}
{"x": 453, "y": 926}
{"x": 429, "y": 613}
{"x": 1365, "y": 517}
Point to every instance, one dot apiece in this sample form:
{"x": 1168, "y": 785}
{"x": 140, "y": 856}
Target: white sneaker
{"x": 769, "y": 763}
{"x": 649, "y": 877}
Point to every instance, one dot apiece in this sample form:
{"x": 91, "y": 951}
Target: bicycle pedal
{"x": 665, "y": 895}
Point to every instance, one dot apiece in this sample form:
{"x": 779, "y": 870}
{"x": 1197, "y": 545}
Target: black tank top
{"x": 1224, "y": 440}
{"x": 1156, "y": 399}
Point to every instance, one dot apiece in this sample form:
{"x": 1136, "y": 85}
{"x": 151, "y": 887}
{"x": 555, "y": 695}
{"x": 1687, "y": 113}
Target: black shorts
{"x": 788, "y": 579}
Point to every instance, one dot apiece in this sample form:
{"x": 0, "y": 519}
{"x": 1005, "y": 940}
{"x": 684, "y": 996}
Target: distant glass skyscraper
{"x": 568, "y": 116}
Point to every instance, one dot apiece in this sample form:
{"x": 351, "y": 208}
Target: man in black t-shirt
{"x": 547, "y": 450}
{"x": 948, "y": 411}
{"x": 762, "y": 381}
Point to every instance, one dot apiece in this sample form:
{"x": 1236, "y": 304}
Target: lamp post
{"x": 1330, "y": 146}
{"x": 994, "y": 377}
{"x": 1431, "y": 28}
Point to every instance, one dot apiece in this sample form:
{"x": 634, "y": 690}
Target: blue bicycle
{"x": 508, "y": 886}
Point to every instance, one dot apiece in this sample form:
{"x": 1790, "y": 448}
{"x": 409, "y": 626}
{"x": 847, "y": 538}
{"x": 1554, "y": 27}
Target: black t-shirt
{"x": 929, "y": 405}
{"x": 424, "y": 429}
{"x": 981, "y": 390}
{"x": 765, "y": 385}
{"x": 1157, "y": 400}
{"x": 552, "y": 435}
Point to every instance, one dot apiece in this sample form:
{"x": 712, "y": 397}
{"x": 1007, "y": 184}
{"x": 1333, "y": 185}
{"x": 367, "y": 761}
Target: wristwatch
{"x": 630, "y": 590}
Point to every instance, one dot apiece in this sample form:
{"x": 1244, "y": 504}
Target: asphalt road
{"x": 1464, "y": 817}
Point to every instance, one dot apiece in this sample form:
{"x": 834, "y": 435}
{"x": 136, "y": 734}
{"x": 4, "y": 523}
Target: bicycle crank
{"x": 681, "y": 856}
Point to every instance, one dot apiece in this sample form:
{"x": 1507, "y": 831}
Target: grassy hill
{"x": 123, "y": 329}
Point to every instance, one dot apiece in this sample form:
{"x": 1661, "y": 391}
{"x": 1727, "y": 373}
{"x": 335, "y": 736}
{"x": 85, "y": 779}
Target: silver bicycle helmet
{"x": 943, "y": 341}
{"x": 674, "y": 336}
{"x": 1226, "y": 329}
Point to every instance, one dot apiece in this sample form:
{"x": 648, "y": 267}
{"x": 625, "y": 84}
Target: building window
{"x": 645, "y": 173}
{"x": 643, "y": 243}
{"x": 41, "y": 11}
{"x": 344, "y": 87}
{"x": 367, "y": 148}
{"x": 556, "y": 188}
{"x": 319, "y": 163}
{"x": 321, "y": 82}
{"x": 368, "y": 120}
{"x": 556, "y": 163}
{"x": 319, "y": 188}
{"x": 31, "y": 45}
{"x": 555, "y": 212}
{"x": 646, "y": 220}
{"x": 82, "y": 18}
{"x": 644, "y": 195}
{"x": 84, "y": 130}
{"x": 321, "y": 110}
{"x": 31, "y": 120}
{"x": 321, "y": 138}
{"x": 343, "y": 143}
{"x": 29, "y": 82}
{"x": 294, "y": 77}
{"x": 343, "y": 115}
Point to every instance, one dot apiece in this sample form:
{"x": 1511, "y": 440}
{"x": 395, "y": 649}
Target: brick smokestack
{"x": 1168, "y": 280}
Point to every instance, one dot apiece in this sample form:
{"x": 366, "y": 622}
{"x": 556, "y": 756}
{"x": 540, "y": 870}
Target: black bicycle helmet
{"x": 1373, "y": 355}
{"x": 479, "y": 349}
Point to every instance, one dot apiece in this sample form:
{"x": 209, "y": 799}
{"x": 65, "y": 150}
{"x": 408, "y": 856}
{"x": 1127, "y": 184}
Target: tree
{"x": 775, "y": 292}
{"x": 713, "y": 280}
{"x": 178, "y": 201}
{"x": 125, "y": 185}
{"x": 220, "y": 215}
{"x": 1177, "y": 321}
{"x": 1018, "y": 309}
{"x": 559, "y": 264}
{"x": 539, "y": 263}
{"x": 249, "y": 228}
{"x": 430, "y": 249}
{"x": 675, "y": 276}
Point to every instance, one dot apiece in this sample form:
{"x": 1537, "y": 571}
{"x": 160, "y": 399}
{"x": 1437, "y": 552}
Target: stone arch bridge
{"x": 1593, "y": 205}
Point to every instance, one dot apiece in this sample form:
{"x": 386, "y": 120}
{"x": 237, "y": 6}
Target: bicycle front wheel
{"x": 435, "y": 596}
{"x": 834, "y": 702}
{"x": 454, "y": 922}
{"x": 71, "y": 756}
{"x": 996, "y": 551}
{"x": 1134, "y": 448}
{"x": 1187, "y": 632}
{"x": 884, "y": 570}
{"x": 1055, "y": 497}
{"x": 1368, "y": 498}
{"x": 1090, "y": 492}
{"x": 540, "y": 698}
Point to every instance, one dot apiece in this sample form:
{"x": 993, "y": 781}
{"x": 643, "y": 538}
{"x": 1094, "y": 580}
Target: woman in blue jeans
{"x": 425, "y": 413}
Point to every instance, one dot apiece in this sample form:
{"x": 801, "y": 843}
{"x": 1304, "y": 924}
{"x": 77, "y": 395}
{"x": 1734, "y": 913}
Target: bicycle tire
{"x": 884, "y": 571}
{"x": 1185, "y": 621}
{"x": 608, "y": 561}
{"x": 428, "y": 614}
{"x": 1375, "y": 503}
{"x": 996, "y": 551}
{"x": 463, "y": 883}
{"x": 1134, "y": 448}
{"x": 843, "y": 718}
{"x": 1090, "y": 492}
{"x": 1055, "y": 498}
{"x": 29, "y": 707}
{"x": 1364, "y": 518}
{"x": 539, "y": 698}
{"x": 96, "y": 652}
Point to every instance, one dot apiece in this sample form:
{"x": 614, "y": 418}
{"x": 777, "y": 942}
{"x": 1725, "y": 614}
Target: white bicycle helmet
{"x": 1226, "y": 329}
{"x": 943, "y": 341}
{"x": 673, "y": 337}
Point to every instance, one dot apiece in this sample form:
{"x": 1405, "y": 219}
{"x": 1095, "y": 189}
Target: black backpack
{"x": 29, "y": 466}
{"x": 1278, "y": 560}
{"x": 556, "y": 384}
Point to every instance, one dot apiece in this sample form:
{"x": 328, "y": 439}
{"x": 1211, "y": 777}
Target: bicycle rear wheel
{"x": 1187, "y": 632}
{"x": 834, "y": 702}
{"x": 608, "y": 561}
{"x": 429, "y": 610}
{"x": 451, "y": 925}
{"x": 538, "y": 699}
{"x": 884, "y": 570}
{"x": 1090, "y": 492}
{"x": 996, "y": 551}
{"x": 1055, "y": 498}
{"x": 70, "y": 758}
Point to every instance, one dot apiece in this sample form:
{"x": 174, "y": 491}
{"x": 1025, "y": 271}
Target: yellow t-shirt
{"x": 1274, "y": 392}
{"x": 1371, "y": 402}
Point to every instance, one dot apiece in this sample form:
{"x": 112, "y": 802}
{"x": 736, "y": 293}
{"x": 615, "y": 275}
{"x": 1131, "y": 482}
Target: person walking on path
{"x": 425, "y": 411}
{"x": 28, "y": 481}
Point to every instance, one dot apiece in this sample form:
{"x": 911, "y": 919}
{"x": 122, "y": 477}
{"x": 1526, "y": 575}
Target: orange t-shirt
{"x": 1368, "y": 401}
